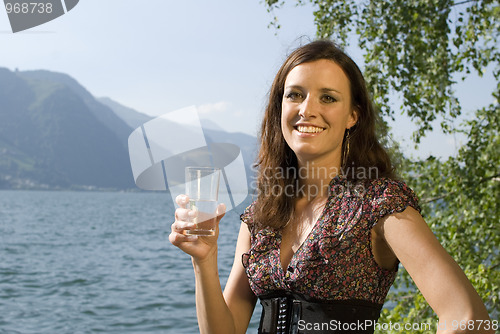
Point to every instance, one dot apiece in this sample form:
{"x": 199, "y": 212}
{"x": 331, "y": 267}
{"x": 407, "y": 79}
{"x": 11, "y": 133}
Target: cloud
{"x": 211, "y": 108}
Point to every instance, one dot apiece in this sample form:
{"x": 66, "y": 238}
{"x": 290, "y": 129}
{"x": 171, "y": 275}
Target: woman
{"x": 330, "y": 224}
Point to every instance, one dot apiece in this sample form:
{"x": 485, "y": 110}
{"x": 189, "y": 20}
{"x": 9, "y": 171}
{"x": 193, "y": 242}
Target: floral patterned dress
{"x": 335, "y": 262}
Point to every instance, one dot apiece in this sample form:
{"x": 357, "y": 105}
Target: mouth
{"x": 308, "y": 129}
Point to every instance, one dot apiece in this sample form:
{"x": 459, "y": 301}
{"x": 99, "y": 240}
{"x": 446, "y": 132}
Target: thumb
{"x": 221, "y": 211}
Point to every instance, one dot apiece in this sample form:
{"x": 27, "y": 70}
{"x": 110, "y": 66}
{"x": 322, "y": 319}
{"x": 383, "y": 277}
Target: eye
{"x": 328, "y": 99}
{"x": 294, "y": 96}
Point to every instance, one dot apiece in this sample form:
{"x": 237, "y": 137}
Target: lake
{"x": 98, "y": 262}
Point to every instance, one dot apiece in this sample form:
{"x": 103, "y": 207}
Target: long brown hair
{"x": 274, "y": 208}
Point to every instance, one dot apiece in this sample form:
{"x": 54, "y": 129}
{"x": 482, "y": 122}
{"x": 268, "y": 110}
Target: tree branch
{"x": 463, "y": 2}
{"x": 433, "y": 199}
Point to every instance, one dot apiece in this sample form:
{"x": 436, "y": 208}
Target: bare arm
{"x": 214, "y": 314}
{"x": 231, "y": 311}
{"x": 441, "y": 281}
{"x": 237, "y": 293}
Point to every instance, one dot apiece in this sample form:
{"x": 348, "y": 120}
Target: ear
{"x": 353, "y": 119}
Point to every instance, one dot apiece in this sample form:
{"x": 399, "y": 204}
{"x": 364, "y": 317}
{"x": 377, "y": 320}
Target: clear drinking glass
{"x": 202, "y": 187}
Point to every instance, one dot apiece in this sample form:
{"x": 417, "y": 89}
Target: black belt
{"x": 291, "y": 315}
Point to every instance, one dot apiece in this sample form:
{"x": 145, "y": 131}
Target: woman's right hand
{"x": 199, "y": 247}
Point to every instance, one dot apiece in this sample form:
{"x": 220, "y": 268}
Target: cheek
{"x": 284, "y": 125}
{"x": 284, "y": 118}
{"x": 287, "y": 115}
{"x": 286, "y": 128}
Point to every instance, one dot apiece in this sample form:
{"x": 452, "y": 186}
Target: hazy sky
{"x": 157, "y": 56}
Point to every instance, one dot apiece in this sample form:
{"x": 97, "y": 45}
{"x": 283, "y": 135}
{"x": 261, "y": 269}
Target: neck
{"x": 315, "y": 176}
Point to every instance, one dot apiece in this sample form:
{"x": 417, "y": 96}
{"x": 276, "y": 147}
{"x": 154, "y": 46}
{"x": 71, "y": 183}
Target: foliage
{"x": 415, "y": 51}
{"x": 459, "y": 199}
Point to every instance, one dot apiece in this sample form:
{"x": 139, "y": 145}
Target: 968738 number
{"x": 28, "y": 7}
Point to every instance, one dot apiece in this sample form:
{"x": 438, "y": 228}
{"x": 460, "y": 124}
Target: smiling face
{"x": 316, "y": 111}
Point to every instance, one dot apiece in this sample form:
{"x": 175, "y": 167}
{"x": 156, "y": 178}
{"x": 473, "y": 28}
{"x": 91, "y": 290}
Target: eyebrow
{"x": 324, "y": 90}
{"x": 330, "y": 90}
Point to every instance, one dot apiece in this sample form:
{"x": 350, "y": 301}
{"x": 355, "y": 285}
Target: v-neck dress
{"x": 335, "y": 262}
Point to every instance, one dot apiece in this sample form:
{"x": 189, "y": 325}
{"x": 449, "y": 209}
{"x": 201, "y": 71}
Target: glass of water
{"x": 202, "y": 187}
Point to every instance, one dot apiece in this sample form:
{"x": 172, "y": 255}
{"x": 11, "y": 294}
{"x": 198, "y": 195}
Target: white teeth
{"x": 309, "y": 129}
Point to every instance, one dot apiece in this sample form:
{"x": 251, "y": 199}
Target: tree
{"x": 416, "y": 51}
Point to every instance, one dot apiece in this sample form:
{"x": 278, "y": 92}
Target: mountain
{"x": 101, "y": 112}
{"x": 54, "y": 134}
{"x": 211, "y": 125}
{"x": 246, "y": 143}
{"x": 135, "y": 119}
{"x": 213, "y": 132}
{"x": 131, "y": 117}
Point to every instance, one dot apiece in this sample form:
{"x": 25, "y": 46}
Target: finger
{"x": 182, "y": 214}
{"x": 178, "y": 239}
{"x": 182, "y": 200}
{"x": 180, "y": 226}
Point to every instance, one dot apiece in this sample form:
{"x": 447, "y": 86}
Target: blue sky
{"x": 157, "y": 56}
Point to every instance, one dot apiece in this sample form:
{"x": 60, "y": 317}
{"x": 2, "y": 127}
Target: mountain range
{"x": 54, "y": 134}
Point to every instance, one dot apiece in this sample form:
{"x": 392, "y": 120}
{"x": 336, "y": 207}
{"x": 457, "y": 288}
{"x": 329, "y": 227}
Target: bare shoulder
{"x": 393, "y": 234}
{"x": 410, "y": 238}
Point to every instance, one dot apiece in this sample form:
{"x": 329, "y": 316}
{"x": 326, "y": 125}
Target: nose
{"x": 307, "y": 108}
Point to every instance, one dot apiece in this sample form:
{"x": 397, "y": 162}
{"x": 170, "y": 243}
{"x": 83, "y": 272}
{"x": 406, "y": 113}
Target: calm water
{"x": 86, "y": 262}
